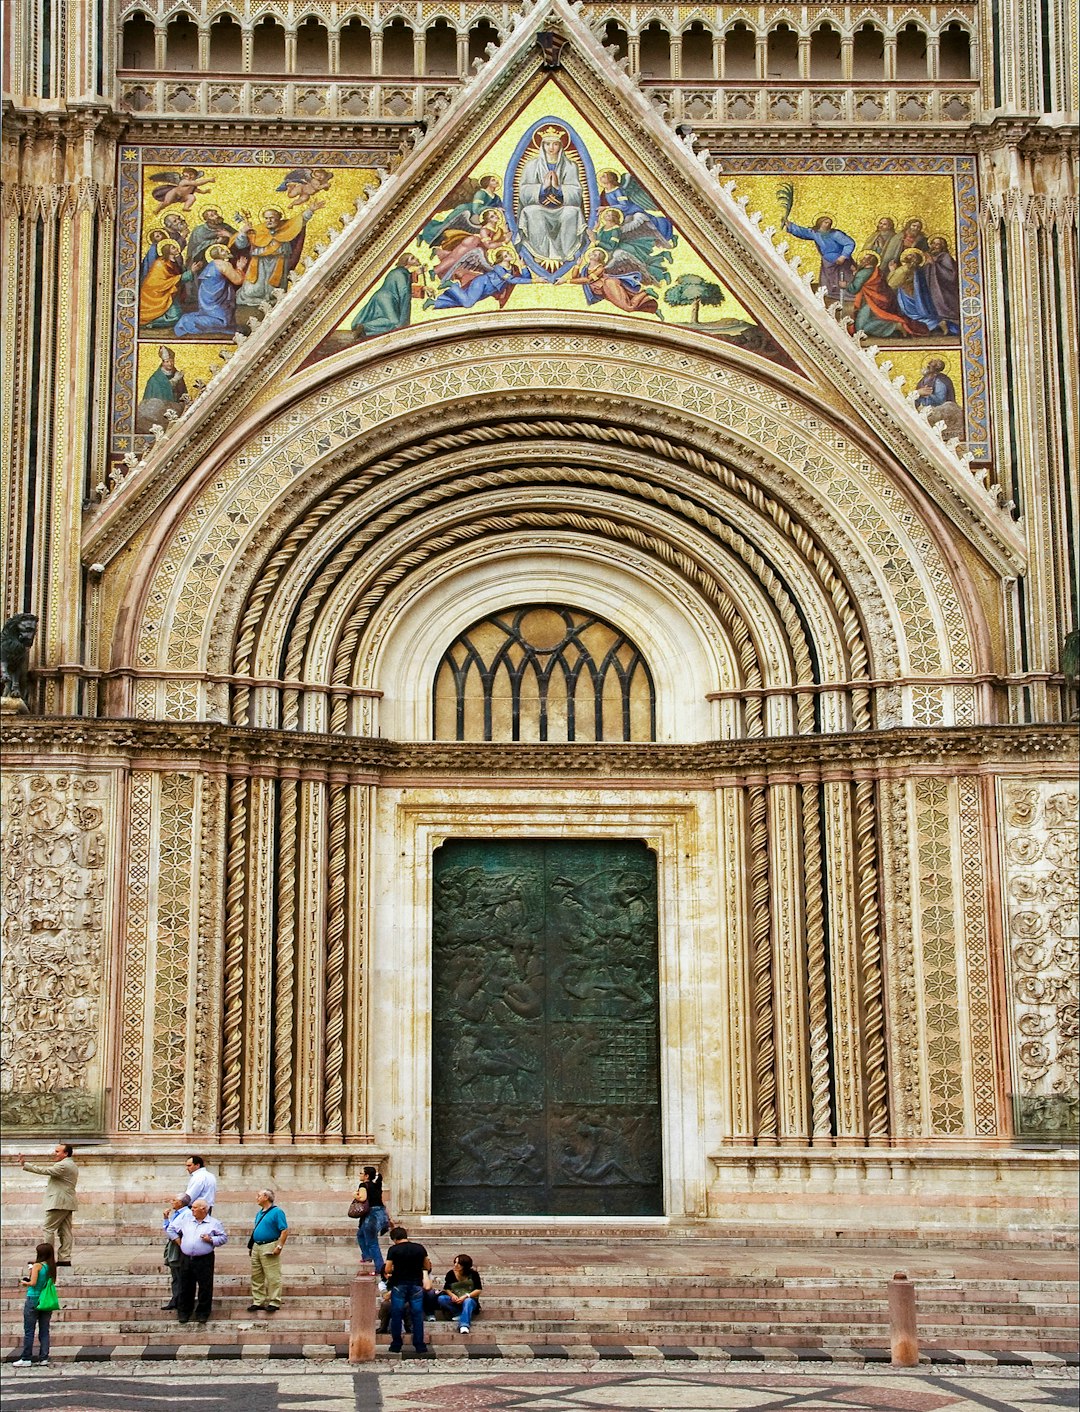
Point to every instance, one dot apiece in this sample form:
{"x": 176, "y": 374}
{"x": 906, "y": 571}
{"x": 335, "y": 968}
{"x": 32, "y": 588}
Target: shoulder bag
{"x": 359, "y": 1206}
{"x": 48, "y": 1299}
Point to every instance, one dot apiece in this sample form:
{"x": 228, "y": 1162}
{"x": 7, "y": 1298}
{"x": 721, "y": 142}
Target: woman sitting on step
{"x": 461, "y": 1289}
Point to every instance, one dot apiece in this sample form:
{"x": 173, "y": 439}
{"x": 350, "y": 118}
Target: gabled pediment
{"x": 395, "y": 268}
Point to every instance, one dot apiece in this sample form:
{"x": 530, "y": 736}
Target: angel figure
{"x": 455, "y": 243}
{"x": 463, "y": 208}
{"x": 640, "y": 211}
{"x": 302, "y": 183}
{"x": 179, "y": 188}
{"x": 619, "y": 278}
{"x": 615, "y": 231}
{"x": 480, "y": 275}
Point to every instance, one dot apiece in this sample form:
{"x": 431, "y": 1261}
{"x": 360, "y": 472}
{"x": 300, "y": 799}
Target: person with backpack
{"x": 39, "y": 1306}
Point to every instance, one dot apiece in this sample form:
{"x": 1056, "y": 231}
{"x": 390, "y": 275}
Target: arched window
{"x": 911, "y": 53}
{"x": 783, "y": 53}
{"x": 398, "y": 55}
{"x": 481, "y": 35}
{"x": 543, "y": 673}
{"x": 615, "y": 37}
{"x": 138, "y": 42}
{"x": 226, "y": 46}
{"x": 312, "y": 48}
{"x": 740, "y": 58}
{"x": 440, "y": 50}
{"x": 825, "y": 53}
{"x": 268, "y": 47}
{"x": 182, "y": 45}
{"x": 868, "y": 54}
{"x": 697, "y": 52}
{"x": 655, "y": 51}
{"x": 354, "y": 48}
{"x": 954, "y": 53}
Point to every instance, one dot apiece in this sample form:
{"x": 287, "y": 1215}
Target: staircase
{"x": 680, "y": 1292}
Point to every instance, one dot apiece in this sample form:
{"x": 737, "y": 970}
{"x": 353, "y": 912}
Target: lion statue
{"x": 16, "y": 638}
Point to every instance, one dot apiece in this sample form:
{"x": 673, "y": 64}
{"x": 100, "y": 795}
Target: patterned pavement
{"x": 467, "y": 1387}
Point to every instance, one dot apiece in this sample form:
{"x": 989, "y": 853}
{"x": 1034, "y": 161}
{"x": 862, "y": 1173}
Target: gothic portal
{"x": 552, "y": 530}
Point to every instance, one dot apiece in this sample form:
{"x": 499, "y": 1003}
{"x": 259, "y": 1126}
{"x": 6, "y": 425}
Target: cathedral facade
{"x": 552, "y": 536}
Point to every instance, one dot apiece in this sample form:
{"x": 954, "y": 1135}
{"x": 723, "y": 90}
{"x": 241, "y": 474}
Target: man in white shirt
{"x": 202, "y": 1185}
{"x": 199, "y": 1235}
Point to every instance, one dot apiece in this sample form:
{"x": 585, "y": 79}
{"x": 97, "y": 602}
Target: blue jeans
{"x": 367, "y": 1236}
{"x": 33, "y": 1320}
{"x": 413, "y": 1296}
{"x": 467, "y": 1309}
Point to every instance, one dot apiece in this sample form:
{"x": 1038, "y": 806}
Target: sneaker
{"x": 22, "y": 1363}
{"x": 43, "y": 1362}
{"x": 429, "y": 1318}
{"x": 464, "y": 1329}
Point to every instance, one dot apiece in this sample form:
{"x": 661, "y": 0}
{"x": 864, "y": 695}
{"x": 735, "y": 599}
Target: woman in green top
{"x": 40, "y": 1273}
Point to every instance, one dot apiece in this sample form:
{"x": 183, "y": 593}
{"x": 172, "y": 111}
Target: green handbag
{"x": 48, "y": 1299}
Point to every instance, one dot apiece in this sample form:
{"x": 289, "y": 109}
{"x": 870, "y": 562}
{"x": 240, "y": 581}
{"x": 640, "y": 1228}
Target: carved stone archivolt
{"x": 328, "y": 548}
{"x": 57, "y": 901}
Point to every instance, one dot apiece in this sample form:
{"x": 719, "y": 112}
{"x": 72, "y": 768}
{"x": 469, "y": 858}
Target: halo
{"x": 818, "y": 219}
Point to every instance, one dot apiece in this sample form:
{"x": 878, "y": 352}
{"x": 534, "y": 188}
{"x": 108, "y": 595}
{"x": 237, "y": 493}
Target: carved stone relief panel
{"x": 57, "y": 904}
{"x": 1039, "y": 864}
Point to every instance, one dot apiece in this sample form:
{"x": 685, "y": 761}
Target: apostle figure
{"x": 216, "y": 284}
{"x": 552, "y": 215}
{"x": 943, "y": 283}
{"x": 835, "y": 247}
{"x": 158, "y": 306}
{"x": 937, "y": 393}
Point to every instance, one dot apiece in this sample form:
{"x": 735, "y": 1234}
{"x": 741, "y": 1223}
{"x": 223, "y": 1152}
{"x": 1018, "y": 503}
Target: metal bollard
{"x": 362, "y": 1315}
{"x": 903, "y": 1334}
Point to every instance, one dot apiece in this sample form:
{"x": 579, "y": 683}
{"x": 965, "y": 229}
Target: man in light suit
{"x": 60, "y": 1198}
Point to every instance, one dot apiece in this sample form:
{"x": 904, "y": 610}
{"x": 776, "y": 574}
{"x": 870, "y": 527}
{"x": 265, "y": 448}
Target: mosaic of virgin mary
{"x": 550, "y": 195}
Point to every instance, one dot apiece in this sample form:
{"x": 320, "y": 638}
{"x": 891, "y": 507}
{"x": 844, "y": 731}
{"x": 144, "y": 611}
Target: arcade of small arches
{"x": 783, "y": 47}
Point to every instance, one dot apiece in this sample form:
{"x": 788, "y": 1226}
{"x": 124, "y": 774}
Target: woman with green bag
{"x": 41, "y": 1303}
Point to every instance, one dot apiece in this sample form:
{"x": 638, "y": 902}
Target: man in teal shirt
{"x": 268, "y": 1237}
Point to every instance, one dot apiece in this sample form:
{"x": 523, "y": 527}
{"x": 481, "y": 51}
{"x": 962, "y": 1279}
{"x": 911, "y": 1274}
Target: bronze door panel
{"x": 545, "y": 1029}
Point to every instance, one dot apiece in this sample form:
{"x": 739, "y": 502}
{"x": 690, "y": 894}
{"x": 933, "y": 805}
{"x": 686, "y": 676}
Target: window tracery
{"x": 544, "y": 673}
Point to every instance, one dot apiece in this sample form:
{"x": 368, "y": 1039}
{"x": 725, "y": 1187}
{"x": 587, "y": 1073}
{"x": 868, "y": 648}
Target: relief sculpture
{"x": 545, "y": 1046}
{"x": 1040, "y": 822}
{"x": 54, "y": 896}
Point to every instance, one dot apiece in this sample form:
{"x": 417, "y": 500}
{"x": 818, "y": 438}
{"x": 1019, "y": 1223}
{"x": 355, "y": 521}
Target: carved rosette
{"x": 1039, "y": 848}
{"x": 57, "y": 900}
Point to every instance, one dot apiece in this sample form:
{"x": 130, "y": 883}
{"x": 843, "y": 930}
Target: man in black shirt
{"x": 406, "y": 1261}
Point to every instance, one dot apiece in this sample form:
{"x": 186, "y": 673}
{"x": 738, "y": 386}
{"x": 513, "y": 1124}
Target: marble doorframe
{"x": 411, "y": 822}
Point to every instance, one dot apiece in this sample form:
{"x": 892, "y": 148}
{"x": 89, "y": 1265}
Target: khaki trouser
{"x": 265, "y": 1274}
{"x": 58, "y": 1231}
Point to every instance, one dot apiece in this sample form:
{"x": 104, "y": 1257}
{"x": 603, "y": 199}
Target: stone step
{"x": 22, "y": 1223}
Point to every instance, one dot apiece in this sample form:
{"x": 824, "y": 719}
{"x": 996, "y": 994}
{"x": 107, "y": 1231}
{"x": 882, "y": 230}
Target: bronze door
{"x": 545, "y": 1030}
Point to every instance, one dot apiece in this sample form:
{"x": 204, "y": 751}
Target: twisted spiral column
{"x": 761, "y": 970}
{"x": 817, "y": 992}
{"x": 285, "y": 960}
{"x": 232, "y": 1049}
{"x": 877, "y": 1104}
{"x": 333, "y": 1118}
